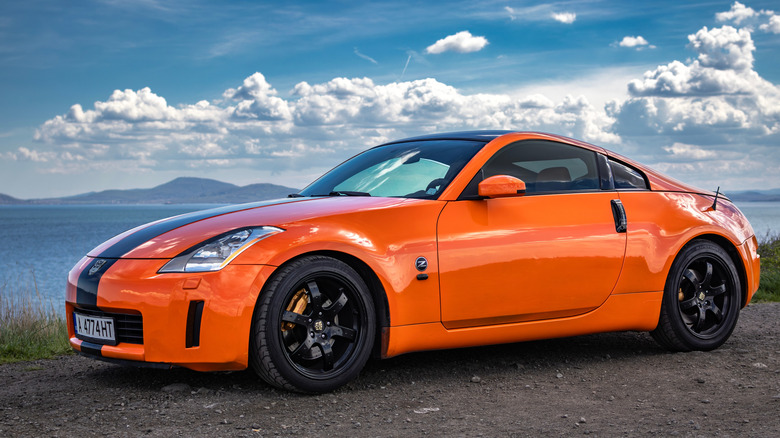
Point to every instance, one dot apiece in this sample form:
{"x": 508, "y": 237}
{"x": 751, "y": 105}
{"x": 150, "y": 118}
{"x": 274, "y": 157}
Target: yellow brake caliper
{"x": 297, "y": 305}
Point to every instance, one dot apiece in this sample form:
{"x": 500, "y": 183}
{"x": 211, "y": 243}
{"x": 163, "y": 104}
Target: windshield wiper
{"x": 348, "y": 193}
{"x": 295, "y": 195}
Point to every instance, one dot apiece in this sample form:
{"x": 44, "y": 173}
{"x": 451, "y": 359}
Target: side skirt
{"x": 634, "y": 311}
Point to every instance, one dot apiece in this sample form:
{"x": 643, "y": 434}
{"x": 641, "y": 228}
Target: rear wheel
{"x": 314, "y": 326}
{"x": 701, "y": 299}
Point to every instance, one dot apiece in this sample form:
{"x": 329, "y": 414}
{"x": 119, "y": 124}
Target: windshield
{"x": 417, "y": 169}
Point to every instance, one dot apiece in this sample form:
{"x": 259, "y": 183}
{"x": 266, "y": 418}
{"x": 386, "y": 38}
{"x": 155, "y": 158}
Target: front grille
{"x": 129, "y": 328}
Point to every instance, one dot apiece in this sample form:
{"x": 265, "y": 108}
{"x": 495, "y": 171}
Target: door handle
{"x": 619, "y": 214}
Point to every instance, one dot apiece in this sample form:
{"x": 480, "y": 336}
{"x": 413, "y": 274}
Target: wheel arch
{"x": 376, "y": 289}
{"x": 733, "y": 252}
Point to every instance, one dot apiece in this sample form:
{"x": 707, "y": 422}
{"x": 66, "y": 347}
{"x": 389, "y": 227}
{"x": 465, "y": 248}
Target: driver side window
{"x": 546, "y": 167}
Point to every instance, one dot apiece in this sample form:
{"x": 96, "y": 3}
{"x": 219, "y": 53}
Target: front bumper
{"x": 177, "y": 329}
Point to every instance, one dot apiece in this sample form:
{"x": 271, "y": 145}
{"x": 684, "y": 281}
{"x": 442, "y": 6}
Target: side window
{"x": 544, "y": 166}
{"x": 627, "y": 177}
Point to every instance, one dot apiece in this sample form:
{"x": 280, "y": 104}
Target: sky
{"x": 117, "y": 94}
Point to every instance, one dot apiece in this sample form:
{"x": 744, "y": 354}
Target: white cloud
{"x": 749, "y": 18}
{"x": 678, "y": 79}
{"x": 689, "y": 151}
{"x": 257, "y": 99}
{"x": 536, "y": 12}
{"x": 630, "y": 41}
{"x": 132, "y": 106}
{"x": 323, "y": 122}
{"x": 723, "y": 173}
{"x": 637, "y": 42}
{"x": 723, "y": 67}
{"x": 26, "y": 154}
{"x": 535, "y": 101}
{"x": 366, "y": 57}
{"x": 529, "y": 13}
{"x": 738, "y": 13}
{"x": 773, "y": 25}
{"x": 715, "y": 111}
{"x": 564, "y": 17}
{"x": 461, "y": 42}
{"x": 724, "y": 48}
{"x": 511, "y": 12}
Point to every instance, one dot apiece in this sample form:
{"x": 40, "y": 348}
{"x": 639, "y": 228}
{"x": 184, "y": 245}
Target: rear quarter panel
{"x": 661, "y": 223}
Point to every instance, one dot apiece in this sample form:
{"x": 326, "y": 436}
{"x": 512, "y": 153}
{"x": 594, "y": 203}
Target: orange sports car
{"x": 442, "y": 241}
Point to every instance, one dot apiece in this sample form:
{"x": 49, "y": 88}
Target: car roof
{"x": 658, "y": 181}
{"x": 484, "y": 136}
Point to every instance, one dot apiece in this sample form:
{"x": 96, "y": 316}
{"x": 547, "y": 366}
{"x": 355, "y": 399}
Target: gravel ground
{"x": 615, "y": 384}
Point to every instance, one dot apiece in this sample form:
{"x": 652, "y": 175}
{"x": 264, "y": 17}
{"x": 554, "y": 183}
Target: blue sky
{"x": 121, "y": 94}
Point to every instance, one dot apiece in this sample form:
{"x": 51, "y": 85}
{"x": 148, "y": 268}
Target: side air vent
{"x": 194, "y": 314}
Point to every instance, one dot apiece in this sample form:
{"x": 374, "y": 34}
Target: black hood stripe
{"x": 87, "y": 287}
{"x": 143, "y": 235}
{"x": 89, "y": 278}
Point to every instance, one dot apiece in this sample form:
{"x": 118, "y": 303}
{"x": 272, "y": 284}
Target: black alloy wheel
{"x": 314, "y": 328}
{"x": 701, "y": 299}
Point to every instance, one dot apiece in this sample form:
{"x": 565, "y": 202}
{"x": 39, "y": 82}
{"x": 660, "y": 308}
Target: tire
{"x": 701, "y": 301}
{"x": 313, "y": 327}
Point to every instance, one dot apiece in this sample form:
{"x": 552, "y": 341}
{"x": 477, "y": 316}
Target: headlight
{"x": 214, "y": 254}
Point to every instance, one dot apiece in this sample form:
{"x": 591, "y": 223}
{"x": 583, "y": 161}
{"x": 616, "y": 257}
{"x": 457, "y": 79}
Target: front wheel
{"x": 701, "y": 299}
{"x": 314, "y": 326}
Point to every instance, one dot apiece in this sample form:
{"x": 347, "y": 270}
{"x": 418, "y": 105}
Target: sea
{"x": 39, "y": 244}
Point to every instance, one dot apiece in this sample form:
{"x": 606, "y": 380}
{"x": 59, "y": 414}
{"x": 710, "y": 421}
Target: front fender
{"x": 387, "y": 241}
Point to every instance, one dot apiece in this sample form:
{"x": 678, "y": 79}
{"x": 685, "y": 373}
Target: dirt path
{"x": 618, "y": 384}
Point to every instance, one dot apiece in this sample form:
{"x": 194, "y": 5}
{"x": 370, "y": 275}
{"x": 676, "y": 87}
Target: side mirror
{"x": 501, "y": 186}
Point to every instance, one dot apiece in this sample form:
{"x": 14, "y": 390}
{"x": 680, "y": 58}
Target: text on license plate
{"x": 95, "y": 327}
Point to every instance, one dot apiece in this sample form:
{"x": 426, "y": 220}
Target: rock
{"x": 476, "y": 379}
{"x": 425, "y": 410}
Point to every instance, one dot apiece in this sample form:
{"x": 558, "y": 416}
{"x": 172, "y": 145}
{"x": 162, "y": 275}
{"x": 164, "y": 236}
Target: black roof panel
{"x": 485, "y": 136}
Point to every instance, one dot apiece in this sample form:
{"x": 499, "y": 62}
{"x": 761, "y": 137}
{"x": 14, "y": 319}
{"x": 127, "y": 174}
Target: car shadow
{"x": 440, "y": 367}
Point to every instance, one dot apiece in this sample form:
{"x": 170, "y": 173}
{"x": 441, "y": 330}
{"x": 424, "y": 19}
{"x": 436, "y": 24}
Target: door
{"x": 550, "y": 254}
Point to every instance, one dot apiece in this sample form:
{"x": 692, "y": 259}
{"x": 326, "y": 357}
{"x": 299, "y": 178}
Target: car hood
{"x": 168, "y": 237}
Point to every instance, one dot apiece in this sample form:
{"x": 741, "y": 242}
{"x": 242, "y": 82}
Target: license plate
{"x": 99, "y": 329}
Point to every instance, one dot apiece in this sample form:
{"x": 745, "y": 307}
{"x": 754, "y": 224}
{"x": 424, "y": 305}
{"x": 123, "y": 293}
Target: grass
{"x": 769, "y": 288}
{"x": 30, "y": 327}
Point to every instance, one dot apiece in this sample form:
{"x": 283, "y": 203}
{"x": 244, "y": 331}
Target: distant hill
{"x": 5, "y": 199}
{"x": 772, "y": 195}
{"x": 183, "y": 190}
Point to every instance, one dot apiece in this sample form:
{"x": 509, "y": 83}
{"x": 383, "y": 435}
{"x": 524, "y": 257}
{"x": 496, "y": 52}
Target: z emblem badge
{"x": 421, "y": 263}
{"x": 96, "y": 267}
